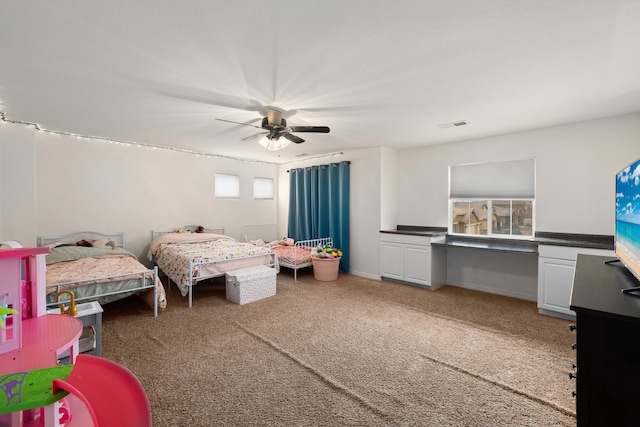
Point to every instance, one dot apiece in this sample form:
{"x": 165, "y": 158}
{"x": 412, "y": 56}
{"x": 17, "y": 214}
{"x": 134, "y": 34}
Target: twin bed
{"x": 192, "y": 254}
{"x": 97, "y": 267}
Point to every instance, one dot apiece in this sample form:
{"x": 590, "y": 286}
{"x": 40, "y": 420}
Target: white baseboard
{"x": 365, "y": 275}
{"x": 557, "y": 314}
{"x": 495, "y": 291}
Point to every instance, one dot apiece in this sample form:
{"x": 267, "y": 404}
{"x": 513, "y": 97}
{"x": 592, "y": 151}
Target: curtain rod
{"x": 346, "y": 161}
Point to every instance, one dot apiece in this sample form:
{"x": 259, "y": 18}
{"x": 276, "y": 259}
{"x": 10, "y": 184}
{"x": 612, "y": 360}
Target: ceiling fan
{"x": 278, "y": 135}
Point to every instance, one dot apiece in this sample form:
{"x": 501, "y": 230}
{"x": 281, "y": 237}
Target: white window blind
{"x": 227, "y": 186}
{"x": 262, "y": 188}
{"x": 513, "y": 179}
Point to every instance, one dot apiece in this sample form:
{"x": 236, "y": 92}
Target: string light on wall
{"x": 4, "y": 120}
{"x": 324, "y": 156}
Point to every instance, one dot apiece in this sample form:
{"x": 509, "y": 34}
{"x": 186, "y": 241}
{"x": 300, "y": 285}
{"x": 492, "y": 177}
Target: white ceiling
{"x": 378, "y": 73}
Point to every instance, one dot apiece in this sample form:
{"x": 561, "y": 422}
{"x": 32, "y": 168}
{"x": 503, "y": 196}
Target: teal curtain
{"x": 319, "y": 205}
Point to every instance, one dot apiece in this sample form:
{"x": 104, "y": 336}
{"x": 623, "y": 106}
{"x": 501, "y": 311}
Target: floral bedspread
{"x": 76, "y": 267}
{"x": 175, "y": 259}
{"x": 101, "y": 269}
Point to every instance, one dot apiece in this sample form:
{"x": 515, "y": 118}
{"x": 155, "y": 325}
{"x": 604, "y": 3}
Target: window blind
{"x": 262, "y": 188}
{"x": 514, "y": 179}
{"x": 227, "y": 186}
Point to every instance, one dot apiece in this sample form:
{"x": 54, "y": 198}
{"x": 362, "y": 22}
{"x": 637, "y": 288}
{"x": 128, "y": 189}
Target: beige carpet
{"x": 354, "y": 352}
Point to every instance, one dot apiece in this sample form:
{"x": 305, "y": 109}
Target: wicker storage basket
{"x": 325, "y": 269}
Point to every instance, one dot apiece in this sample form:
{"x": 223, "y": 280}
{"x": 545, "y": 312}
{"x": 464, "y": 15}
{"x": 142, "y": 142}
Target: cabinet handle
{"x": 572, "y": 375}
{"x": 572, "y": 327}
{"x": 574, "y": 346}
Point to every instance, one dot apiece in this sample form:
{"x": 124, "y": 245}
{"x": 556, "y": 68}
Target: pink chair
{"x": 112, "y": 394}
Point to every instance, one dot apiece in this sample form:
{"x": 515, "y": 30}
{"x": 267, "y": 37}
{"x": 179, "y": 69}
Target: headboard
{"x": 265, "y": 232}
{"x": 187, "y": 229}
{"x": 117, "y": 238}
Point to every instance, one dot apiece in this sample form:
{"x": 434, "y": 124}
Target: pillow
{"x": 59, "y": 245}
{"x": 258, "y": 242}
{"x": 103, "y": 244}
{"x": 147, "y": 296}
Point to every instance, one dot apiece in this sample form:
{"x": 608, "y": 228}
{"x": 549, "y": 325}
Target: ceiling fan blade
{"x": 255, "y": 135}
{"x": 320, "y": 129}
{"x": 293, "y": 138}
{"x": 202, "y": 95}
{"x": 239, "y": 123}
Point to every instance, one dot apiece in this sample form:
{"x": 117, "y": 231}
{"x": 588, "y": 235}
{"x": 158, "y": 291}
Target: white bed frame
{"x": 269, "y": 232}
{"x": 311, "y": 243}
{"x": 188, "y": 229}
{"x": 265, "y": 232}
{"x": 192, "y": 280}
{"x": 118, "y": 239}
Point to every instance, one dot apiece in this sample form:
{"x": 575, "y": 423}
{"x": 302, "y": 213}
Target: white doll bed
{"x": 290, "y": 255}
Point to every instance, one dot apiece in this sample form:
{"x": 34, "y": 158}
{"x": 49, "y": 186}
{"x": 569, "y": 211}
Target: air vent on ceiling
{"x": 453, "y": 124}
{"x": 301, "y": 155}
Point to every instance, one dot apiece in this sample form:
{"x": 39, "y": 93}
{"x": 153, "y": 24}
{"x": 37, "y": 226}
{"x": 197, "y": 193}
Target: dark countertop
{"x": 593, "y": 241}
{"x": 414, "y": 230}
{"x": 492, "y": 244}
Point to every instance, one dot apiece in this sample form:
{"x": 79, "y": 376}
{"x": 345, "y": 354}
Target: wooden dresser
{"x": 607, "y": 344}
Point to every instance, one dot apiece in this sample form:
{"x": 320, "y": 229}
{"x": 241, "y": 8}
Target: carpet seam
{"x": 464, "y": 322}
{"x": 325, "y": 378}
{"x": 503, "y": 386}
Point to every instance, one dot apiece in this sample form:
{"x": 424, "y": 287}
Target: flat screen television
{"x": 627, "y": 227}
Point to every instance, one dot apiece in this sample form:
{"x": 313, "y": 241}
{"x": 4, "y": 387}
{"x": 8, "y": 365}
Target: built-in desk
{"x": 500, "y": 266}
{"x": 488, "y": 244}
{"x": 537, "y": 269}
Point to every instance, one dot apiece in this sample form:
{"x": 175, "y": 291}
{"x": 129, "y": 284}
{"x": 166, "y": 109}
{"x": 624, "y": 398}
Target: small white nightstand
{"x": 90, "y": 313}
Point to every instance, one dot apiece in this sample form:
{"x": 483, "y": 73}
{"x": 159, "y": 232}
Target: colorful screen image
{"x": 627, "y": 233}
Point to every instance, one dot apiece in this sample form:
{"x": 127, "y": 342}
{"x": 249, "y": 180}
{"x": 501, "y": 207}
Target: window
{"x": 262, "y": 188}
{"x": 493, "y": 199}
{"x": 509, "y": 218}
{"x": 227, "y": 186}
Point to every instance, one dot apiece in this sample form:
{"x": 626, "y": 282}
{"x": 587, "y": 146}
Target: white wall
{"x": 575, "y": 179}
{"x": 364, "y": 202}
{"x": 101, "y": 186}
{"x": 388, "y": 189}
{"x": 56, "y": 184}
{"x": 17, "y": 184}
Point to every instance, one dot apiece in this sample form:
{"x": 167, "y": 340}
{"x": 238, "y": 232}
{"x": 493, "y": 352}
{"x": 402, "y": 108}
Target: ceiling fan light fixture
{"x": 275, "y": 144}
{"x": 278, "y": 134}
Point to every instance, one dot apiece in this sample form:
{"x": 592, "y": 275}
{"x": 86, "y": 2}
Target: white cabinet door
{"x": 407, "y": 258}
{"x": 391, "y": 258}
{"x": 556, "y": 267}
{"x": 417, "y": 264}
{"x": 555, "y": 279}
